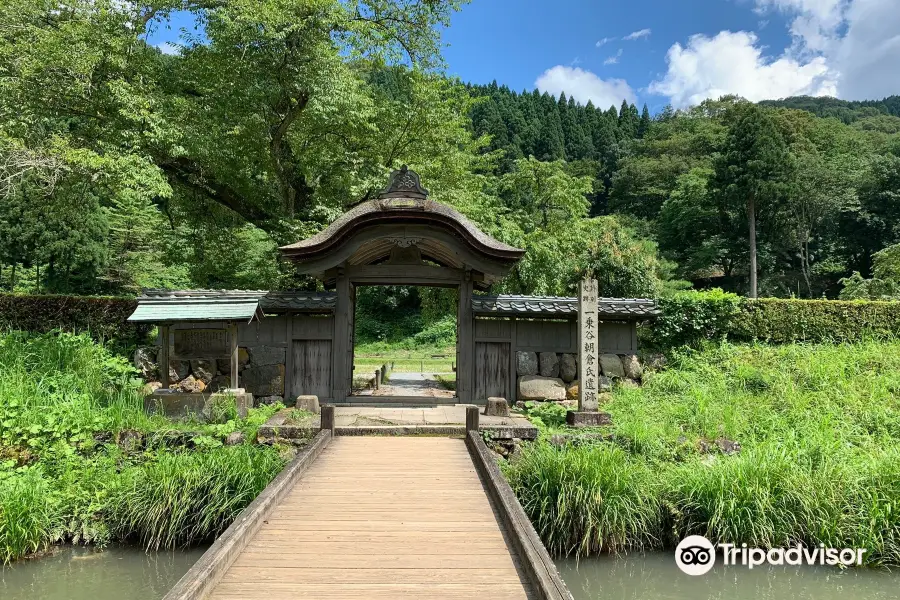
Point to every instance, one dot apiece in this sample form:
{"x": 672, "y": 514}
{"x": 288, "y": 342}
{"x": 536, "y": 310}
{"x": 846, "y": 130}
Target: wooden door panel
{"x": 491, "y": 369}
{"x": 311, "y": 368}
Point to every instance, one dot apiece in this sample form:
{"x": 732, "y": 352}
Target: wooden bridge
{"x": 380, "y": 517}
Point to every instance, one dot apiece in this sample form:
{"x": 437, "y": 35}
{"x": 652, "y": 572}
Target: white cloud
{"x": 636, "y": 35}
{"x": 868, "y": 56}
{"x": 585, "y": 85}
{"x": 733, "y": 63}
{"x": 169, "y": 48}
{"x": 611, "y": 60}
{"x": 844, "y": 48}
{"x": 859, "y": 40}
{"x": 605, "y": 40}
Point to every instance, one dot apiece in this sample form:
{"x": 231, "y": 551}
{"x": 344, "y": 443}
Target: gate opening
{"x": 404, "y": 343}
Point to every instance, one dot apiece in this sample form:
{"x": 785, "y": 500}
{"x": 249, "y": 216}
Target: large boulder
{"x": 534, "y": 387}
{"x": 178, "y": 369}
{"x": 145, "y": 362}
{"x": 568, "y": 367}
{"x": 526, "y": 363}
{"x": 266, "y": 355}
{"x": 572, "y": 390}
{"x": 203, "y": 369}
{"x": 267, "y": 380}
{"x": 632, "y": 366}
{"x": 549, "y": 364}
{"x": 611, "y": 365}
{"x": 191, "y": 385}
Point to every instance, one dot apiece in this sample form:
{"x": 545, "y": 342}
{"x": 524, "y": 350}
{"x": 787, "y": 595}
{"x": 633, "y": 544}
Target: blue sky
{"x": 515, "y": 41}
{"x": 674, "y": 51}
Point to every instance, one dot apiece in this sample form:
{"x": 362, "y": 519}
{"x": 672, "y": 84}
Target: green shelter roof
{"x": 161, "y": 306}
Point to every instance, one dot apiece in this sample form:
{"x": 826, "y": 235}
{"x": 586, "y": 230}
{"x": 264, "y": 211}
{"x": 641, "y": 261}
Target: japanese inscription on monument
{"x": 200, "y": 343}
{"x": 588, "y": 346}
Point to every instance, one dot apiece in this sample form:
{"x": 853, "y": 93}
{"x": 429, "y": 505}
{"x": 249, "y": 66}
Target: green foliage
{"x": 692, "y": 317}
{"x": 625, "y": 264}
{"x": 439, "y": 333}
{"x": 27, "y": 513}
{"x": 180, "y": 499}
{"x": 689, "y": 318}
{"x": 65, "y": 400}
{"x": 885, "y": 281}
{"x": 779, "y": 320}
{"x": 819, "y": 434}
{"x": 546, "y": 414}
{"x": 102, "y": 317}
{"x": 587, "y": 499}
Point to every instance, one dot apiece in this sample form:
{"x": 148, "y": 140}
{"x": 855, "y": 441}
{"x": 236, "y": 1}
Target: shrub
{"x": 690, "y": 318}
{"x": 102, "y": 317}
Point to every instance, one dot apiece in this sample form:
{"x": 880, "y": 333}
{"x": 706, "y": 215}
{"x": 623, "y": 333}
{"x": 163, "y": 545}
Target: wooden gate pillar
{"x": 342, "y": 348}
{"x": 465, "y": 342}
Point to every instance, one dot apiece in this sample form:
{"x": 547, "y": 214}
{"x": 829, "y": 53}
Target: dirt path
{"x": 413, "y": 384}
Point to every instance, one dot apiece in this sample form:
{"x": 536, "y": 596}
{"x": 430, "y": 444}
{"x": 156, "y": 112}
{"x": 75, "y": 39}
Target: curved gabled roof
{"x": 401, "y": 211}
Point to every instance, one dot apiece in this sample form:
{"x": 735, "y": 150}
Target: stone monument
{"x": 588, "y": 359}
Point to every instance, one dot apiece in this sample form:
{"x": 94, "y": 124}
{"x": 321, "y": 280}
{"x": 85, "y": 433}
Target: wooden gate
{"x": 492, "y": 363}
{"x": 311, "y": 368}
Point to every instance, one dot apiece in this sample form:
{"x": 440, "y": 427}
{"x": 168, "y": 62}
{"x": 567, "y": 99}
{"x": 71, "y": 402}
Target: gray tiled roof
{"x": 302, "y": 301}
{"x": 556, "y": 306}
{"x": 218, "y": 305}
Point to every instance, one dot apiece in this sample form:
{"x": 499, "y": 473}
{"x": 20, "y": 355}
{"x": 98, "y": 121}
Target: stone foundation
{"x": 549, "y": 376}
{"x": 261, "y": 372}
{"x": 179, "y": 405}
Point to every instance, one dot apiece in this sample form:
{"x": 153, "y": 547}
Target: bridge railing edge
{"x": 201, "y": 578}
{"x": 535, "y": 559}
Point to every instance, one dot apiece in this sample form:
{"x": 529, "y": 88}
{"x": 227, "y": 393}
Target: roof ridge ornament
{"x": 404, "y": 183}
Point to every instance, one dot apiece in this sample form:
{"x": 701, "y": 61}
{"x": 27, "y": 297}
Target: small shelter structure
{"x": 289, "y": 343}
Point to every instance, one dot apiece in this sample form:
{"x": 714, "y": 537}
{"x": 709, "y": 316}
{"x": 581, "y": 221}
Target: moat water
{"x": 654, "y": 576}
{"x": 116, "y": 573}
{"x": 119, "y": 573}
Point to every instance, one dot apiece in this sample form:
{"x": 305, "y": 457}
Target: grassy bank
{"x": 819, "y": 458}
{"x": 70, "y": 469}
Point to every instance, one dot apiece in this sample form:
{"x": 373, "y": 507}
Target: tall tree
{"x": 644, "y": 124}
{"x": 753, "y": 170}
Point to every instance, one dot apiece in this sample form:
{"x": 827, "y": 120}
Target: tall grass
{"x": 64, "y": 386}
{"x": 819, "y": 427}
{"x": 588, "y": 499}
{"x": 27, "y": 515}
{"x": 182, "y": 499}
{"x": 59, "y": 394}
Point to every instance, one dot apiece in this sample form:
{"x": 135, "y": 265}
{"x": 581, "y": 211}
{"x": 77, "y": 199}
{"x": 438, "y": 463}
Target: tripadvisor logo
{"x": 696, "y": 555}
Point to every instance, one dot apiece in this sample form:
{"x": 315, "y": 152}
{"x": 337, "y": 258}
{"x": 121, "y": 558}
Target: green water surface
{"x": 655, "y": 577}
{"x": 116, "y": 573}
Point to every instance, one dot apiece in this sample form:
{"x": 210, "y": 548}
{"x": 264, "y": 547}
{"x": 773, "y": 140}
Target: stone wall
{"x": 552, "y": 376}
{"x": 261, "y": 372}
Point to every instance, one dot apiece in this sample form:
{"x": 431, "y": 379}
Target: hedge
{"x": 104, "y": 317}
{"x": 689, "y": 318}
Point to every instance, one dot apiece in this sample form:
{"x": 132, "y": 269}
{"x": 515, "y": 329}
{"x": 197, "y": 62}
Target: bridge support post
{"x": 472, "y": 418}
{"x": 328, "y": 418}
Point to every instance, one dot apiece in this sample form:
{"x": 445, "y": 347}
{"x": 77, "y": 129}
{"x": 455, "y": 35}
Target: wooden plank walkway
{"x": 381, "y": 517}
